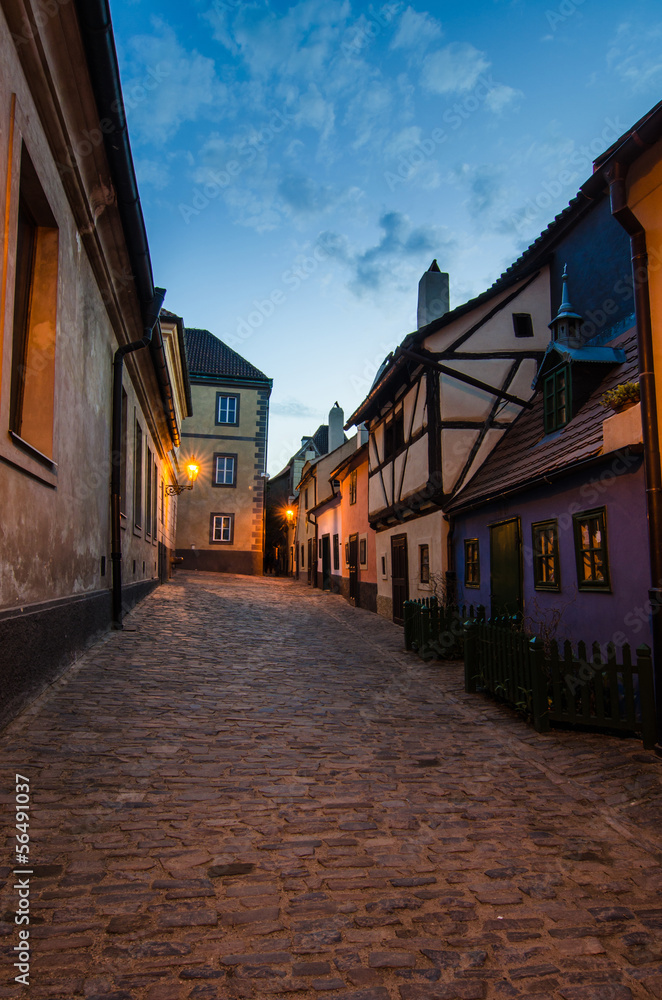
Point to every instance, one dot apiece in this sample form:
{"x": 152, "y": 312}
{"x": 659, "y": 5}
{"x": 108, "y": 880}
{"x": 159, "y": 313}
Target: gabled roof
{"x": 526, "y": 454}
{"x": 209, "y": 356}
{"x": 531, "y": 260}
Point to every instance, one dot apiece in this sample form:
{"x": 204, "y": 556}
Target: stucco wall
{"x": 430, "y": 530}
{"x": 202, "y": 438}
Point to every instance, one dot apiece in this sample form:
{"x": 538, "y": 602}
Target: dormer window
{"x": 557, "y": 396}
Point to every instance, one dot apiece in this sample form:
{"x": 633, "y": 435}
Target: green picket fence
{"x": 562, "y": 688}
{"x": 437, "y": 630}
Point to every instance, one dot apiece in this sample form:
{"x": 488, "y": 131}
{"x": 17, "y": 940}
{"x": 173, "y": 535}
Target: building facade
{"x": 92, "y": 393}
{"x": 221, "y": 522}
{"x": 446, "y": 396}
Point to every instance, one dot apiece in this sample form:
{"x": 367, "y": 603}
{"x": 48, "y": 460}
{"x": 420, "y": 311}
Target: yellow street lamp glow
{"x": 193, "y": 469}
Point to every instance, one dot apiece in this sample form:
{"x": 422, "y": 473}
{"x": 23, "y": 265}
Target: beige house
{"x": 221, "y": 521}
{"x": 92, "y": 390}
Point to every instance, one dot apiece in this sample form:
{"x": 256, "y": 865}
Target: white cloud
{"x": 166, "y": 86}
{"x": 453, "y": 69}
{"x": 500, "y": 96}
{"x": 153, "y": 172}
{"x": 416, "y": 31}
{"x": 635, "y": 55}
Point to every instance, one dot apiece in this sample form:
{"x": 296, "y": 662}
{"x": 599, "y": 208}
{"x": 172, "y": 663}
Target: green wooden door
{"x": 506, "y": 568}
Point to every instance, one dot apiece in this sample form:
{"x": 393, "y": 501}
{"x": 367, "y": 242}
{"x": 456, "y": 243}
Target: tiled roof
{"x": 525, "y": 453}
{"x": 207, "y": 355}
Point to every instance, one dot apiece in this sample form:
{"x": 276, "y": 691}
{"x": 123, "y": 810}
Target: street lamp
{"x": 192, "y": 470}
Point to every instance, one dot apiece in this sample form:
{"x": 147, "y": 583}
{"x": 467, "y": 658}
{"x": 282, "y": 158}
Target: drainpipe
{"x": 623, "y": 214}
{"x": 116, "y": 450}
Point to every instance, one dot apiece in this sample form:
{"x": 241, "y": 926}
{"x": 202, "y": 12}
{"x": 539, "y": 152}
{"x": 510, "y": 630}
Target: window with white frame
{"x": 227, "y": 409}
{"x": 221, "y": 528}
{"x": 225, "y": 470}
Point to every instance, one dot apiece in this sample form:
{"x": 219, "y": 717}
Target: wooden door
{"x": 506, "y": 568}
{"x": 354, "y": 568}
{"x": 326, "y": 562}
{"x": 399, "y": 576}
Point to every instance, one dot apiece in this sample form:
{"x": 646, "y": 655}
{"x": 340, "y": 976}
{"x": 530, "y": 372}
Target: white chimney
{"x": 433, "y": 295}
{"x": 336, "y": 433}
{"x": 361, "y": 435}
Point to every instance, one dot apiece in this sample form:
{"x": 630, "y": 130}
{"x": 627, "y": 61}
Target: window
{"x": 148, "y": 493}
{"x": 384, "y": 573}
{"x": 227, "y": 409}
{"x": 32, "y": 396}
{"x": 363, "y": 551}
{"x": 394, "y": 435}
{"x": 591, "y": 550}
{"x": 352, "y": 486}
{"x": 305, "y": 499}
{"x": 522, "y": 324}
{"x": 557, "y": 399}
{"x": 155, "y": 487}
{"x": 225, "y": 470}
{"x": 471, "y": 563}
{"x": 346, "y": 553}
{"x": 303, "y": 556}
{"x": 221, "y": 529}
{"x": 162, "y": 502}
{"x": 122, "y": 456}
{"x": 424, "y": 563}
{"x": 546, "y": 574}
{"x": 138, "y": 476}
{"x": 336, "y": 552}
{"x": 319, "y": 549}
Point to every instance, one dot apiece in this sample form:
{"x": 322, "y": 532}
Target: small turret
{"x": 336, "y": 422}
{"x": 567, "y": 323}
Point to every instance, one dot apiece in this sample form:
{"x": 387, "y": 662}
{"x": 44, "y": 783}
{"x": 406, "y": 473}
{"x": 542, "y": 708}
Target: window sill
{"x": 28, "y": 461}
{"x": 33, "y": 452}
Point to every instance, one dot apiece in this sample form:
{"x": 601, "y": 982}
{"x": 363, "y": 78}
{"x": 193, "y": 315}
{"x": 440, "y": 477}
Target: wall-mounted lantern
{"x": 192, "y": 470}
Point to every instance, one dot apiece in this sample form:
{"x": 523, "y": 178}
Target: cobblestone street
{"x": 253, "y": 791}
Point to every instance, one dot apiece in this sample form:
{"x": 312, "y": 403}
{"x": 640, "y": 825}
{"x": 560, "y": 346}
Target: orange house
{"x": 631, "y": 170}
{"x": 358, "y": 556}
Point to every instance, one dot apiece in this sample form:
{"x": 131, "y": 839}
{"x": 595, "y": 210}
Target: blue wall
{"x": 597, "y": 252}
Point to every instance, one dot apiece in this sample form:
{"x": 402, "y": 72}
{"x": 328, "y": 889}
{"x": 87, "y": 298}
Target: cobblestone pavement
{"x": 254, "y": 792}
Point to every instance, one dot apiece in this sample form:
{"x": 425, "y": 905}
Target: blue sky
{"x": 301, "y": 164}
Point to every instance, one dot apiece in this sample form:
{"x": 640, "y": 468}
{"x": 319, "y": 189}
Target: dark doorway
{"x": 326, "y": 562}
{"x": 312, "y": 563}
{"x": 354, "y": 568}
{"x": 399, "y": 576}
{"x": 506, "y": 568}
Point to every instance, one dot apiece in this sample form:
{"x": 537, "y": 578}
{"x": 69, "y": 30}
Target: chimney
{"x": 362, "y": 435}
{"x": 336, "y": 433}
{"x": 433, "y": 295}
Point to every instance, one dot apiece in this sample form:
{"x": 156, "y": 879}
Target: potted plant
{"x": 621, "y": 397}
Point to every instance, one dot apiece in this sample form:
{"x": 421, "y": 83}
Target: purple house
{"x": 553, "y": 524}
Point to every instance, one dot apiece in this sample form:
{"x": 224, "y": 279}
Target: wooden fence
{"x": 437, "y": 630}
{"x": 562, "y": 687}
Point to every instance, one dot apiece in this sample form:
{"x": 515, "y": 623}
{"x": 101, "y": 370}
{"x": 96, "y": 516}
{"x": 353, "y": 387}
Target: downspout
{"x": 624, "y": 215}
{"x": 116, "y": 451}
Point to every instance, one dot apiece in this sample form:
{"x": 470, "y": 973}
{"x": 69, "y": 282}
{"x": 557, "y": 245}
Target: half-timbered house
{"x": 444, "y": 398}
